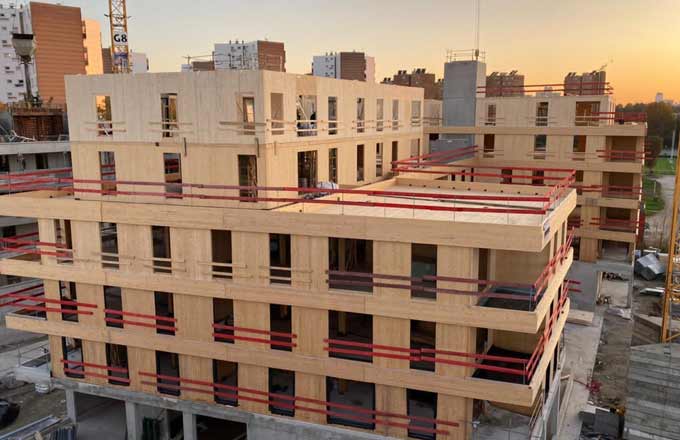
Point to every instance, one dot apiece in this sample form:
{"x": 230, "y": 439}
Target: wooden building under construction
{"x": 261, "y": 247}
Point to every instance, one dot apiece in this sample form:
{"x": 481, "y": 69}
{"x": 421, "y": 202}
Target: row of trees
{"x": 663, "y": 120}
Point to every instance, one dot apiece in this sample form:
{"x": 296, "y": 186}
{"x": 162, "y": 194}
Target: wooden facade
{"x": 471, "y": 250}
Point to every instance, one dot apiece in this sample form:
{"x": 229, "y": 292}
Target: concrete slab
{"x": 580, "y": 344}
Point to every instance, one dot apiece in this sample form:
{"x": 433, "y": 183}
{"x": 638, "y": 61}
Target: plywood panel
{"x": 56, "y": 356}
{"x": 463, "y": 263}
{"x": 140, "y": 301}
{"x": 310, "y": 262}
{"x": 395, "y": 333}
{"x": 391, "y": 399}
{"x": 194, "y": 317}
{"x": 457, "y": 262}
{"x": 47, "y": 234}
{"x": 196, "y": 368}
{"x": 135, "y": 241}
{"x": 95, "y": 353}
{"x": 311, "y": 386}
{"x": 254, "y": 316}
{"x": 250, "y": 255}
{"x": 253, "y": 377}
{"x": 51, "y": 289}
{"x": 392, "y": 258}
{"x": 455, "y": 409}
{"x": 311, "y": 328}
{"x": 92, "y": 294}
{"x": 141, "y": 360}
{"x": 86, "y": 243}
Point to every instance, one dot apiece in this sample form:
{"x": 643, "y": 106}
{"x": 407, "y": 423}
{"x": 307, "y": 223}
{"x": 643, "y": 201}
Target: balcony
{"x": 496, "y": 364}
{"x": 490, "y": 294}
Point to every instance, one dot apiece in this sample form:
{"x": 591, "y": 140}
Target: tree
{"x": 654, "y": 146}
{"x": 661, "y": 122}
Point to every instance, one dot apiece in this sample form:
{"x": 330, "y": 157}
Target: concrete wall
{"x": 653, "y": 406}
{"x": 461, "y": 79}
{"x": 260, "y": 427}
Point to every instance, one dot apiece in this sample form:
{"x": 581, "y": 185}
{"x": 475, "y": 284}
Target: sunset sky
{"x": 543, "y": 39}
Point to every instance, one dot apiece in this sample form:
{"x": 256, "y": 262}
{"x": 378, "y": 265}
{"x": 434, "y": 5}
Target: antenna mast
{"x": 477, "y": 23}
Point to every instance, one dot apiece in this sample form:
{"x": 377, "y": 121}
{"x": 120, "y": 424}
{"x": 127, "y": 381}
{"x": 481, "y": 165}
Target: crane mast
{"x": 120, "y": 50}
{"x": 672, "y": 291}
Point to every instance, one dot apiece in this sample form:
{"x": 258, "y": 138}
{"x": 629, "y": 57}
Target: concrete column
{"x": 189, "y": 420}
{"x": 554, "y": 415}
{"x": 71, "y": 409}
{"x": 133, "y": 421}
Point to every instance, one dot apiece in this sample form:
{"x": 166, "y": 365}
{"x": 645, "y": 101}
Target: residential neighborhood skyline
{"x": 635, "y": 42}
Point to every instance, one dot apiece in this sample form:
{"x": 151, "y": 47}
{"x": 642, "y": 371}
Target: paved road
{"x": 658, "y": 225}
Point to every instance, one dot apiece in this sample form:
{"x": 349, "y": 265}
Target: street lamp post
{"x": 24, "y": 46}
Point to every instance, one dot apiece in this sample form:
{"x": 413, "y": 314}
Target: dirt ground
{"x": 611, "y": 366}
{"x": 34, "y": 406}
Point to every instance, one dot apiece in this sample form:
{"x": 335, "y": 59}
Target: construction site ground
{"x": 34, "y": 406}
{"x": 608, "y": 383}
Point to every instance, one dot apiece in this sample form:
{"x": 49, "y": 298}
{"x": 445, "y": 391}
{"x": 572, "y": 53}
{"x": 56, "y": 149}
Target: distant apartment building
{"x": 13, "y": 86}
{"x": 65, "y": 44}
{"x": 504, "y": 84}
{"x": 345, "y": 65}
{"x": 199, "y": 66}
{"x": 418, "y": 78}
{"x": 139, "y": 62}
{"x": 106, "y": 60}
{"x": 92, "y": 41}
{"x": 589, "y": 83}
{"x": 60, "y": 51}
{"x": 253, "y": 55}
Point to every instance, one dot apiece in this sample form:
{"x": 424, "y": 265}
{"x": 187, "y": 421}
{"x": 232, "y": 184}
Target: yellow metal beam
{"x": 670, "y": 295}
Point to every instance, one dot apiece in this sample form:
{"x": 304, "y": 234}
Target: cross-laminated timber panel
{"x": 464, "y": 234}
{"x": 466, "y": 387}
{"x": 312, "y": 299}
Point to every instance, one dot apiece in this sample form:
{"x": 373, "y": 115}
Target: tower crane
{"x": 671, "y": 295}
{"x": 120, "y": 50}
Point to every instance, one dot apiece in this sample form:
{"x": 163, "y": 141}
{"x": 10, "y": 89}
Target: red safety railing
{"x": 621, "y": 117}
{"x": 550, "y": 269}
{"x": 615, "y": 191}
{"x": 548, "y": 331}
{"x": 622, "y": 155}
{"x": 22, "y": 244}
{"x": 35, "y": 296}
{"x": 441, "y": 163}
{"x": 123, "y": 320}
{"x": 615, "y": 224}
{"x": 576, "y": 88}
{"x": 478, "y": 288}
{"x": 369, "y": 351}
{"x": 300, "y": 195}
{"x": 32, "y": 180}
{"x": 87, "y": 373}
{"x": 228, "y": 333}
{"x": 574, "y": 223}
{"x": 284, "y": 401}
{"x": 525, "y": 367}
{"x": 437, "y": 157}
